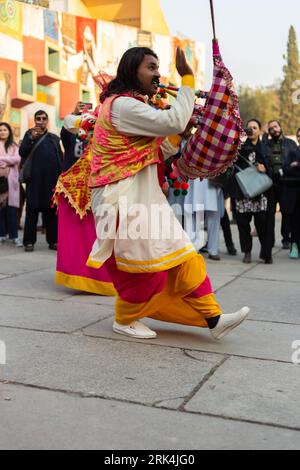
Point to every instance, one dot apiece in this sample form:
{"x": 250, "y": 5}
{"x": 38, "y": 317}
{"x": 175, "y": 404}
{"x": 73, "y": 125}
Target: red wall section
{"x": 69, "y": 95}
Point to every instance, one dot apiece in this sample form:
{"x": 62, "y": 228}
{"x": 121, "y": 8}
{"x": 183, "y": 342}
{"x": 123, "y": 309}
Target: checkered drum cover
{"x": 214, "y": 146}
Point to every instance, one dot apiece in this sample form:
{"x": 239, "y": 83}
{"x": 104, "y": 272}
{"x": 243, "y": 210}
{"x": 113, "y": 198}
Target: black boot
{"x": 247, "y": 258}
{"x": 231, "y": 250}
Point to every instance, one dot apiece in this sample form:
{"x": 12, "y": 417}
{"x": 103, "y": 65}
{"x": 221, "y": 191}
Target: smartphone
{"x": 249, "y": 132}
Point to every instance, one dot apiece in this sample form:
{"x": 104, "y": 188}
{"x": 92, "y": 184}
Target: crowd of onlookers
{"x": 40, "y": 154}
{"x": 271, "y": 154}
{"x": 279, "y": 157}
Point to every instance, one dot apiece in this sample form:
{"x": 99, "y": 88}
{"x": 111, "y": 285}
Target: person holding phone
{"x": 43, "y": 148}
{"x": 73, "y": 147}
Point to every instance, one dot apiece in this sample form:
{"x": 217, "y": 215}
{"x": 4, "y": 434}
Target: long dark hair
{"x": 126, "y": 79}
{"x": 10, "y": 140}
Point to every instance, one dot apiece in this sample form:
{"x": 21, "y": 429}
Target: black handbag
{"x": 224, "y": 180}
{"x": 3, "y": 184}
{"x": 26, "y": 168}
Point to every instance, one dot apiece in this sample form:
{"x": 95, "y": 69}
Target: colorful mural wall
{"x": 48, "y": 60}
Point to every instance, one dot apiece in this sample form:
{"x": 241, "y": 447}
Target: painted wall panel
{"x": 33, "y": 22}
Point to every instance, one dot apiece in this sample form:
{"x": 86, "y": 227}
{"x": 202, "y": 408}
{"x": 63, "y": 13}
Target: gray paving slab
{"x": 274, "y": 301}
{"x": 252, "y": 390}
{"x": 83, "y": 298}
{"x": 220, "y": 280}
{"x": 21, "y": 262}
{"x": 39, "y": 284}
{"x": 134, "y": 372}
{"x": 9, "y": 249}
{"x": 256, "y": 339}
{"x": 286, "y": 271}
{"x": 40, "y": 419}
{"x": 228, "y": 266}
{"x": 49, "y": 315}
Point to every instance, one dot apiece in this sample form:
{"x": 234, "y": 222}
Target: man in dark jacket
{"x": 298, "y": 137}
{"x": 277, "y": 150}
{"x": 291, "y": 199}
{"x": 46, "y": 168}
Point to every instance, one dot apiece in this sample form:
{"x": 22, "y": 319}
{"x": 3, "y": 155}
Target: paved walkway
{"x": 69, "y": 382}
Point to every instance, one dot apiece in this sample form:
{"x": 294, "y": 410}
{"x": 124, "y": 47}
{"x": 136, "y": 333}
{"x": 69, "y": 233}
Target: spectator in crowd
{"x": 298, "y": 137}
{"x": 194, "y": 214}
{"x": 291, "y": 198}
{"x": 212, "y": 200}
{"x": 9, "y": 172}
{"x": 225, "y": 224}
{"x": 224, "y": 182}
{"x": 277, "y": 150}
{"x": 44, "y": 149}
{"x": 72, "y": 145}
{"x": 246, "y": 209}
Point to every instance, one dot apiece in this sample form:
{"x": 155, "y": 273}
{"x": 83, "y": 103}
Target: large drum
{"x": 215, "y": 145}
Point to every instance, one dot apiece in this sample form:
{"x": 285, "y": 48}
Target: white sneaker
{"x": 136, "y": 329}
{"x": 228, "y": 322}
{"x": 2, "y": 239}
{"x": 17, "y": 242}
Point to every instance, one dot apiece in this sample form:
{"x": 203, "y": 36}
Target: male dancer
{"x": 157, "y": 274}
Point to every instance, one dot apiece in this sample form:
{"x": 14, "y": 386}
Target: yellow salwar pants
{"x": 180, "y": 295}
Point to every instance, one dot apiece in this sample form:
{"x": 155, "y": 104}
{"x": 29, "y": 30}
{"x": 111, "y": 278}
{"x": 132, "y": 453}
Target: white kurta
{"x": 143, "y": 242}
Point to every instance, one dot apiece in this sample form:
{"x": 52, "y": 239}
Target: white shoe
{"x": 136, "y": 329}
{"x": 228, "y": 322}
{"x": 2, "y": 239}
{"x": 17, "y": 242}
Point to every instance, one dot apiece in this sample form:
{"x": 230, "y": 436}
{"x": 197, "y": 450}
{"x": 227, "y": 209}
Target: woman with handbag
{"x": 246, "y": 208}
{"x": 9, "y": 181}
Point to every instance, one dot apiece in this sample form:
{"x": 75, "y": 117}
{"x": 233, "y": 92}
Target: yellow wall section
{"x": 143, "y": 14}
{"x": 127, "y": 12}
{"x": 78, "y": 8}
{"x": 153, "y": 18}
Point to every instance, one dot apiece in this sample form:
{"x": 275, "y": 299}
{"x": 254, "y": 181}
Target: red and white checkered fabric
{"x": 214, "y": 146}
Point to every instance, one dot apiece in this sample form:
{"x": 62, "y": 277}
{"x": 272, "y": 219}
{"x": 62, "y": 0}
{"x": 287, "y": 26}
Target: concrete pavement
{"x": 69, "y": 382}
